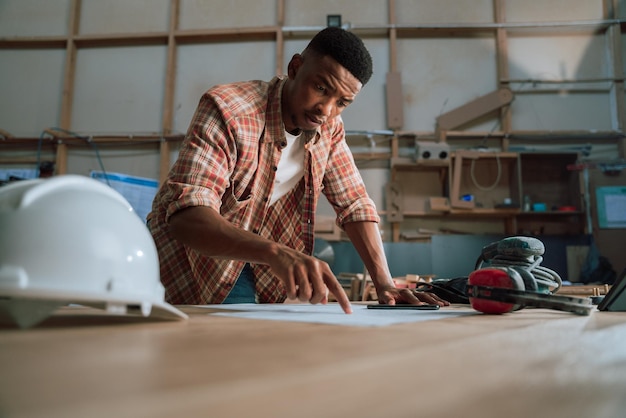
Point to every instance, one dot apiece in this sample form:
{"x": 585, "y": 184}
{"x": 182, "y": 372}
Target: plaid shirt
{"x": 228, "y": 162}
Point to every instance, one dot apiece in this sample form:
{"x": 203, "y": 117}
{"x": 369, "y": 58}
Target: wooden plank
{"x": 5, "y": 134}
{"x": 121, "y": 39}
{"x": 170, "y": 70}
{"x": 256, "y": 33}
{"x": 67, "y": 100}
{"x": 455, "y": 198}
{"x": 170, "y": 85}
{"x": 393, "y": 38}
{"x": 19, "y": 160}
{"x": 502, "y": 56}
{"x": 478, "y": 107}
{"x": 280, "y": 41}
{"x": 395, "y": 100}
{"x": 70, "y": 66}
{"x": 394, "y": 201}
{"x": 61, "y": 160}
{"x": 34, "y": 42}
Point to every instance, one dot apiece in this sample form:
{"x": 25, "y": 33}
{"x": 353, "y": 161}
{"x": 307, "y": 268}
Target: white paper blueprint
{"x": 333, "y": 315}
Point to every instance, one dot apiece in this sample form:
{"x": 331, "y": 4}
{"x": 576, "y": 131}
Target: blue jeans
{"x": 243, "y": 291}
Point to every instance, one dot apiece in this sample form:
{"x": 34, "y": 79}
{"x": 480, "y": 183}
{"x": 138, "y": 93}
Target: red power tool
{"x": 509, "y": 277}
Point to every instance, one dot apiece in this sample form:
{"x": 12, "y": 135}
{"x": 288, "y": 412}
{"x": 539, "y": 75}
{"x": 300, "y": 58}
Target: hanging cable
{"x": 39, "y": 146}
{"x": 495, "y": 183}
{"x": 88, "y": 139}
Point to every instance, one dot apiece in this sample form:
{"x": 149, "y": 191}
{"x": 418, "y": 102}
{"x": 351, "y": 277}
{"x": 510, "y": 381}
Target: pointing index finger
{"x": 335, "y": 288}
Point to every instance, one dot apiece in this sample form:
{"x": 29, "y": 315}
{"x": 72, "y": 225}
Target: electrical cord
{"x": 87, "y": 139}
{"x": 495, "y": 183}
{"x": 39, "y": 144}
{"x": 452, "y": 290}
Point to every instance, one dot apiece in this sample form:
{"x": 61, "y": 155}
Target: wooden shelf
{"x": 402, "y": 163}
{"x": 466, "y": 213}
{"x": 540, "y": 175}
{"x": 551, "y": 213}
{"x": 269, "y": 32}
{"x": 34, "y": 42}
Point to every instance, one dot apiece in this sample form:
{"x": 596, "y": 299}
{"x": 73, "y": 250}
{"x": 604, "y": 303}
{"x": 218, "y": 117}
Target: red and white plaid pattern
{"x": 226, "y": 162}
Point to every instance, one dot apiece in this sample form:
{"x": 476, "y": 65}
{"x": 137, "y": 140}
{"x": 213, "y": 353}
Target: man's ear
{"x": 294, "y": 65}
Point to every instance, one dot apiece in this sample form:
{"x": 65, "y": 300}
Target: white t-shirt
{"x": 290, "y": 167}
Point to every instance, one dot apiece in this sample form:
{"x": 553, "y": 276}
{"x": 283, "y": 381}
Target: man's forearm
{"x": 206, "y": 231}
{"x": 365, "y": 237}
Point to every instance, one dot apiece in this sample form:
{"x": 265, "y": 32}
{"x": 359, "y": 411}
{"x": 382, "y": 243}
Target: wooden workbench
{"x": 531, "y": 363}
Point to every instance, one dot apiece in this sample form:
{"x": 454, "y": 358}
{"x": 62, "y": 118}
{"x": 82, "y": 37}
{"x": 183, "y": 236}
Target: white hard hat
{"x": 72, "y": 239}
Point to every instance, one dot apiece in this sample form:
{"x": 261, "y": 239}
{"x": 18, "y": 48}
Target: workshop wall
{"x": 120, "y": 89}
{"x": 445, "y": 50}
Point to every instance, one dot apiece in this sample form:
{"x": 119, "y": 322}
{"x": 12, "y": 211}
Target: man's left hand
{"x": 390, "y": 295}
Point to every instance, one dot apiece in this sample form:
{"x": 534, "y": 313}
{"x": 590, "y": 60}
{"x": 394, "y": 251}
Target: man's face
{"x": 319, "y": 89}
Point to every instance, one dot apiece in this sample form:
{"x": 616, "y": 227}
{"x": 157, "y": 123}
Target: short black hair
{"x": 346, "y": 48}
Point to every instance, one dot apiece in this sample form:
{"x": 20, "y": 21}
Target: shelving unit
{"x": 547, "y": 179}
{"x": 494, "y": 185}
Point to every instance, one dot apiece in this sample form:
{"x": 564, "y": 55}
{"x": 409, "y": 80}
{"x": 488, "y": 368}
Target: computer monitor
{"x": 615, "y": 299}
{"x": 611, "y": 203}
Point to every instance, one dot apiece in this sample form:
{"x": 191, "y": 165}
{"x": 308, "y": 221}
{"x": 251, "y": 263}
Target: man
{"x": 234, "y": 220}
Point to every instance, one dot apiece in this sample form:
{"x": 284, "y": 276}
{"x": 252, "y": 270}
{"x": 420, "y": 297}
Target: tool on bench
{"x": 508, "y": 277}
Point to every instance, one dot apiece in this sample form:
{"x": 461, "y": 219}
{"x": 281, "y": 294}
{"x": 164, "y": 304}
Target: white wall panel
{"x": 552, "y": 10}
{"x": 212, "y": 14}
{"x": 203, "y": 66}
{"x": 119, "y": 89}
{"x": 440, "y": 74}
{"x": 621, "y": 9}
{"x": 565, "y": 106}
{"x": 566, "y": 111}
{"x": 443, "y": 11}
{"x": 31, "y": 85}
{"x": 558, "y": 57}
{"x": 313, "y": 13}
{"x": 34, "y": 17}
{"x": 123, "y": 16}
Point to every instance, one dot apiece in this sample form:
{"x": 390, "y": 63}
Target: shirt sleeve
{"x": 343, "y": 184}
{"x": 202, "y": 171}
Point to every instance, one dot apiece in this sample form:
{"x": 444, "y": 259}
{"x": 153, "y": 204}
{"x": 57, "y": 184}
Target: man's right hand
{"x": 307, "y": 278}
